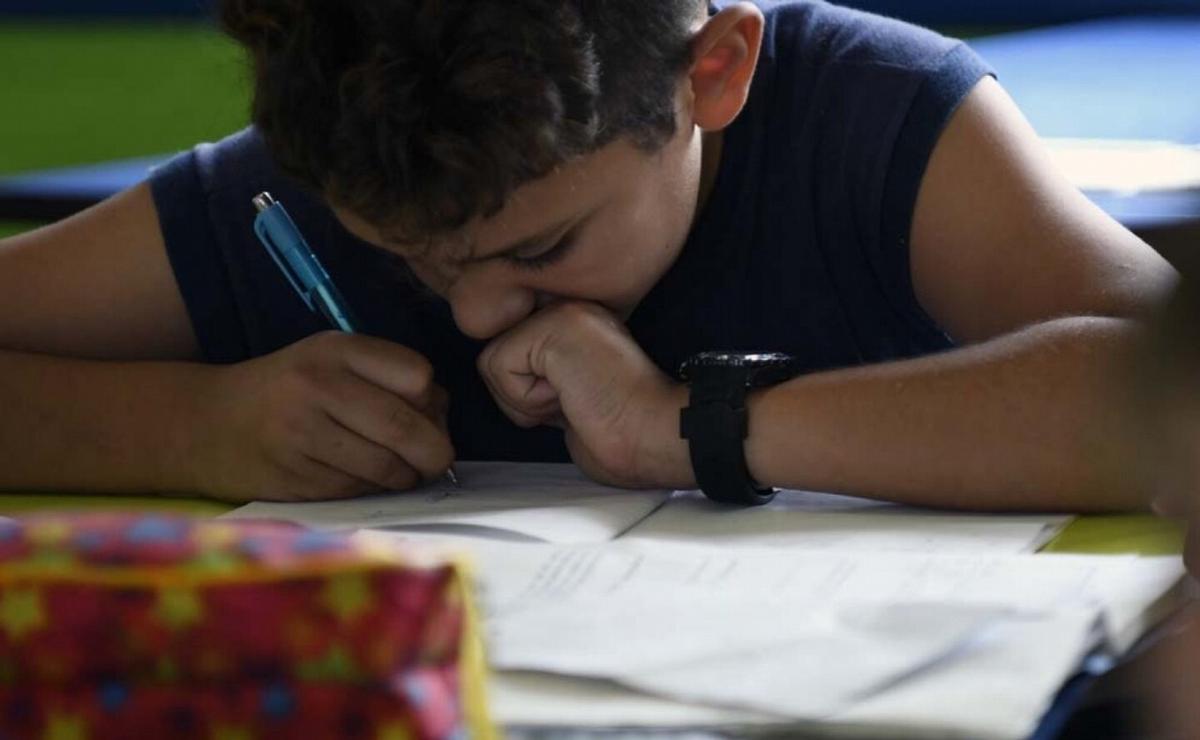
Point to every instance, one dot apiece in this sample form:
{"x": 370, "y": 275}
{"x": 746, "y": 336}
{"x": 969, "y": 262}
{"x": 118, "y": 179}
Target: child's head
{"x": 450, "y": 131}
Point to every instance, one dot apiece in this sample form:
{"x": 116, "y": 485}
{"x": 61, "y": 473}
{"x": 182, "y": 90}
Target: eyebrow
{"x": 521, "y": 245}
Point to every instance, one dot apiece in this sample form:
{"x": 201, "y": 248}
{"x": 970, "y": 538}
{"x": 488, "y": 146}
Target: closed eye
{"x": 546, "y": 258}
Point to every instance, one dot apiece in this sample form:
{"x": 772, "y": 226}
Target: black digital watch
{"x": 715, "y": 421}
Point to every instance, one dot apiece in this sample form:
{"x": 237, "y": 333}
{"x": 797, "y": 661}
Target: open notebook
{"x": 556, "y": 503}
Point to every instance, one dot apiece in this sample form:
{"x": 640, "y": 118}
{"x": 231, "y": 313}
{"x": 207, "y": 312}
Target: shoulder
{"x": 238, "y": 158}
{"x": 1001, "y": 239}
{"x": 216, "y": 181}
{"x": 238, "y": 300}
{"x": 816, "y": 33}
{"x": 825, "y": 68}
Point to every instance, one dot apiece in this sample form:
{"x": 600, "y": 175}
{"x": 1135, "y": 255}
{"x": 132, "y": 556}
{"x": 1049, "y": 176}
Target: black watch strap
{"x": 715, "y": 425}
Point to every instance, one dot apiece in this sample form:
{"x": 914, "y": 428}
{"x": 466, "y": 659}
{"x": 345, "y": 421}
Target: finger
{"x": 307, "y": 479}
{"x": 524, "y": 397}
{"x": 393, "y": 367}
{"x": 538, "y": 401}
{"x": 442, "y": 416}
{"x": 346, "y": 451}
{"x": 390, "y": 422}
{"x": 521, "y": 416}
{"x": 439, "y": 411}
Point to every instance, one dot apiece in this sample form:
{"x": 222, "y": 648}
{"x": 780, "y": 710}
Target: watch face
{"x": 770, "y": 366}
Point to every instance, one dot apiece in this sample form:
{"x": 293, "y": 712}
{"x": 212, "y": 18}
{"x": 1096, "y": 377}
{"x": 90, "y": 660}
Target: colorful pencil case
{"x": 126, "y": 626}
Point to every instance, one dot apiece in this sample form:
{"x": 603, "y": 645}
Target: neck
{"x": 710, "y": 163}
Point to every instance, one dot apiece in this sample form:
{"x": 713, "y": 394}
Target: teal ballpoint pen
{"x": 287, "y": 247}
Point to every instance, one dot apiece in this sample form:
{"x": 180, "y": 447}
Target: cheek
{"x": 437, "y": 279}
{"x": 660, "y": 225}
{"x": 666, "y": 204}
{"x": 625, "y": 257}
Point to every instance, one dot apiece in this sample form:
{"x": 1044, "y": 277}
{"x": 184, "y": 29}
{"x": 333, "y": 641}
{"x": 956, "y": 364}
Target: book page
{"x": 540, "y": 502}
{"x": 817, "y": 521}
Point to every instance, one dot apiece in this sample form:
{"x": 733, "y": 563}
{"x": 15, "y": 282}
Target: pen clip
{"x": 262, "y": 227}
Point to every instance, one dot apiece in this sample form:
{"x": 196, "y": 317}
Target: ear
{"x": 724, "y": 57}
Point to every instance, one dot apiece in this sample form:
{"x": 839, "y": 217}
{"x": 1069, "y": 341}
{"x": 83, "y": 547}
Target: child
{"x": 539, "y": 209}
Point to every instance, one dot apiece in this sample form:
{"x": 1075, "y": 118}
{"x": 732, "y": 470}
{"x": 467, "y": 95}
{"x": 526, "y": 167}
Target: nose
{"x": 484, "y": 308}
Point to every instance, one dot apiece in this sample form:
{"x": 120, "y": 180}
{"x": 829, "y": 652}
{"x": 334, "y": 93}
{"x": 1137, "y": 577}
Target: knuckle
{"x": 282, "y": 433}
{"x": 318, "y": 348}
{"x": 301, "y": 430}
{"x": 304, "y": 381}
{"x": 400, "y": 418}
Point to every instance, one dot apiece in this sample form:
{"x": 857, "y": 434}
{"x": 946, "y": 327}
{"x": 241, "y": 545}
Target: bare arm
{"x": 100, "y": 390}
{"x": 97, "y": 286}
{"x": 1047, "y": 292}
{"x": 1027, "y": 421}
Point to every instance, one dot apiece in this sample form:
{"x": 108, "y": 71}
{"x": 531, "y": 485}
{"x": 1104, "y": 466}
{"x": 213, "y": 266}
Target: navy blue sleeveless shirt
{"x": 802, "y": 246}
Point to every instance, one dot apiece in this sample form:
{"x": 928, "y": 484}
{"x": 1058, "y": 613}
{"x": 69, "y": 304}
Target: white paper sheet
{"x": 987, "y": 691}
{"x": 515, "y": 576}
{"x": 832, "y": 633}
{"x": 813, "y": 660}
{"x": 531, "y": 699}
{"x": 998, "y": 688}
{"x": 799, "y": 519}
{"x": 531, "y": 501}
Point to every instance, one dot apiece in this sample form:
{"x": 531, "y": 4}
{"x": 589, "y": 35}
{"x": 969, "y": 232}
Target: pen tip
{"x": 452, "y": 477}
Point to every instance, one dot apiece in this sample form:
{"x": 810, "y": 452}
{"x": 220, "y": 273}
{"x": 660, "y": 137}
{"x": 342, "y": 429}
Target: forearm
{"x": 92, "y": 426}
{"x": 1031, "y": 421}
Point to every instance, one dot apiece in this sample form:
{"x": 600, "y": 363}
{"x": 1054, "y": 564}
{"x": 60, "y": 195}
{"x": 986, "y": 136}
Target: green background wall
{"x": 74, "y": 94}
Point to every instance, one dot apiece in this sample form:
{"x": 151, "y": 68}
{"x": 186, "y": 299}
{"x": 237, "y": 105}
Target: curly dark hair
{"x": 420, "y": 115}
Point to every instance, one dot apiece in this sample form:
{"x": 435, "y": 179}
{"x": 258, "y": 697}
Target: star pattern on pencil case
{"x": 21, "y": 611}
{"x": 116, "y": 625}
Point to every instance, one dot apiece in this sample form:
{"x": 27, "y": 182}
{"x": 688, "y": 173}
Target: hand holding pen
{"x": 363, "y": 409}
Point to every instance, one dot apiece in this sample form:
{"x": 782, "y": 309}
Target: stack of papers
{"x": 971, "y": 645}
{"x": 606, "y": 608}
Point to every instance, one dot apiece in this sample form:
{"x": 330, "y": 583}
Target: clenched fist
{"x": 575, "y": 366}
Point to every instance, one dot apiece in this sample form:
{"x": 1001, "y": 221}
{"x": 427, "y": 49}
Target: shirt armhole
{"x": 945, "y": 86}
{"x": 200, "y": 270}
